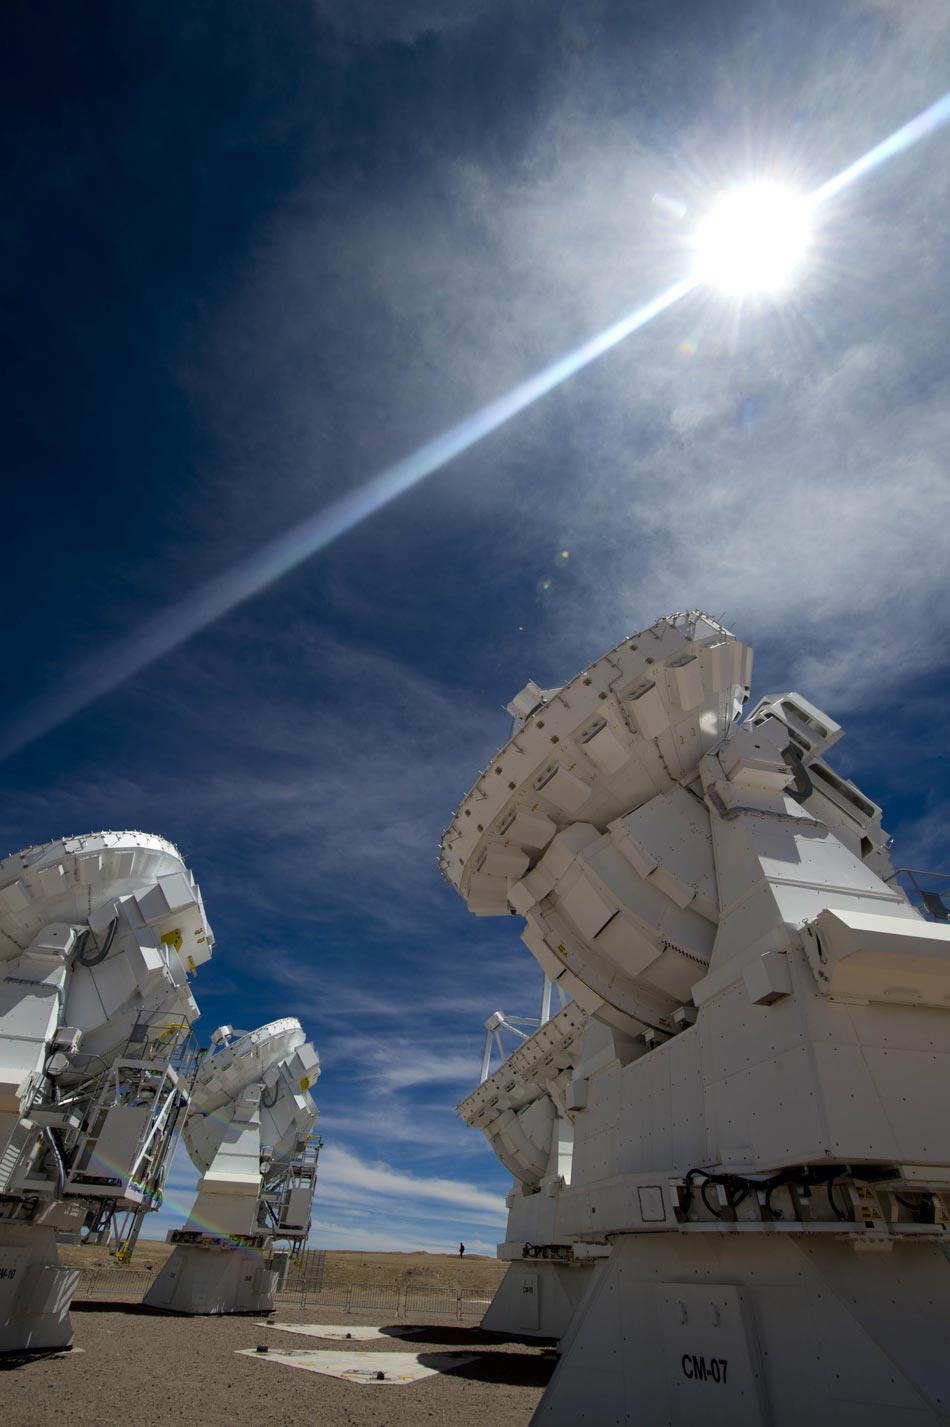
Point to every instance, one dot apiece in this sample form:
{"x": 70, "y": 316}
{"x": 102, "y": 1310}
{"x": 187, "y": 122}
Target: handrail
{"x": 933, "y": 901}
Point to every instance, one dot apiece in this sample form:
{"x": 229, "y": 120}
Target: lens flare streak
{"x": 909, "y": 134}
{"x": 169, "y": 629}
{"x": 174, "y": 625}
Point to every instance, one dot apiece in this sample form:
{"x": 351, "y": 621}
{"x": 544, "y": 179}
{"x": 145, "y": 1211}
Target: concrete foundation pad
{"x": 334, "y": 1332}
{"x": 373, "y": 1369}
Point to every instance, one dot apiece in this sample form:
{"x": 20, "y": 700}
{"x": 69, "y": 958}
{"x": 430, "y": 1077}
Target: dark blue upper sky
{"x": 252, "y": 253}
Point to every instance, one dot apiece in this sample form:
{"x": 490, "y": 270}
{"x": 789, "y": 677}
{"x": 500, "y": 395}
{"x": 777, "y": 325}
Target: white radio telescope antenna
{"x": 98, "y": 938}
{"x": 755, "y": 1098}
{"x": 250, "y": 1135}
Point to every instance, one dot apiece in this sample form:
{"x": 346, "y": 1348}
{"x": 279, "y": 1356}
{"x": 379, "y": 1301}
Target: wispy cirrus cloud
{"x": 785, "y": 468}
{"x": 342, "y": 1170}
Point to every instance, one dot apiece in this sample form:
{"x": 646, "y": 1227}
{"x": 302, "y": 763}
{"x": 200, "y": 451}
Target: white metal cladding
{"x": 519, "y": 1106}
{"x": 95, "y": 932}
{"x": 551, "y": 829}
{"x": 276, "y": 1066}
{"x": 249, "y": 1134}
{"x": 77, "y": 880}
{"x": 664, "y": 696}
{"x": 758, "y": 1087}
{"x": 99, "y": 935}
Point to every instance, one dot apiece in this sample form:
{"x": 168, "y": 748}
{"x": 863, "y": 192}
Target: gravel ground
{"x": 154, "y": 1370}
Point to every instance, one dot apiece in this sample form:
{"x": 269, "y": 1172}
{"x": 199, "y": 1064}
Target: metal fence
{"x": 400, "y": 1302}
{"x": 306, "y": 1272}
{"x": 121, "y": 1285}
{"x": 129, "y": 1285}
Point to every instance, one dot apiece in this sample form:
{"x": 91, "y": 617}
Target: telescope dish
{"x": 516, "y": 1107}
{"x": 621, "y": 911}
{"x": 75, "y": 880}
{"x": 278, "y": 1059}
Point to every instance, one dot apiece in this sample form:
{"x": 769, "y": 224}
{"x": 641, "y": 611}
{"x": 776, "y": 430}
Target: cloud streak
{"x": 342, "y": 1171}
{"x": 250, "y": 576}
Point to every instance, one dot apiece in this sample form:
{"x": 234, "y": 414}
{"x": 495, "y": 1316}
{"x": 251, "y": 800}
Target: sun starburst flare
{"x": 753, "y": 241}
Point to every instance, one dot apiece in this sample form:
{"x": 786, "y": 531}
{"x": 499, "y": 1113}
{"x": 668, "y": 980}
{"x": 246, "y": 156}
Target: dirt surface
{"x": 414, "y": 1270}
{"x": 154, "y": 1369}
{"x": 471, "y": 1274}
{"x": 99, "y": 1256}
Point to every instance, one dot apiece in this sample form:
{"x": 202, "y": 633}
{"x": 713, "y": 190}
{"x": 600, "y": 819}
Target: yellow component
{"x": 562, "y": 949}
{"x": 191, "y": 963}
{"x": 171, "y": 1030}
{"x": 173, "y": 938}
{"x": 123, "y": 1255}
{"x": 305, "y": 1083}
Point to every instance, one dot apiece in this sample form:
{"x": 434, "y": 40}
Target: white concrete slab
{"x": 372, "y": 1369}
{"x": 333, "y": 1332}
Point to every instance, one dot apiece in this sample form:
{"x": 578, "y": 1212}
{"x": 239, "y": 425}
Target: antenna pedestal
{"x": 733, "y": 1329}
{"x": 538, "y": 1298}
{"x": 35, "y": 1291}
{"x": 213, "y": 1276}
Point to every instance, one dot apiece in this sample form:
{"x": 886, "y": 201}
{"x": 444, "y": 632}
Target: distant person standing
{"x": 461, "y": 1251}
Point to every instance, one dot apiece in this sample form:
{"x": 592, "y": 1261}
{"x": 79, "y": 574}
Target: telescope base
{"x": 537, "y": 1298}
{"x": 727, "y": 1329}
{"x": 35, "y": 1291}
{"x": 198, "y": 1280}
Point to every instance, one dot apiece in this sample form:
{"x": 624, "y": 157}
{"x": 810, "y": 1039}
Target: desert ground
{"x": 133, "y": 1365}
{"x": 471, "y": 1274}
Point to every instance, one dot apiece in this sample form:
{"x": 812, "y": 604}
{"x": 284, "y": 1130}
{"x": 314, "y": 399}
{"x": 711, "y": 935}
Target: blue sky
{"x": 254, "y": 253}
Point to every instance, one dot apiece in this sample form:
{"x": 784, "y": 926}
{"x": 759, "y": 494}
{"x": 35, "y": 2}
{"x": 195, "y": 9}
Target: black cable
{"x": 702, "y": 1194}
{"x": 767, "y": 1204}
{"x": 831, "y": 1199}
{"x": 688, "y": 1197}
{"x": 101, "y": 952}
{"x": 745, "y": 1188}
{"x": 738, "y": 1188}
{"x": 923, "y": 1211}
{"x": 49, "y": 1135}
{"x": 801, "y": 787}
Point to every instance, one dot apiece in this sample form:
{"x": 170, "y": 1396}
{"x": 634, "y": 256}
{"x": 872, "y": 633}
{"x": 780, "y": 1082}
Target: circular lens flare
{"x": 753, "y": 240}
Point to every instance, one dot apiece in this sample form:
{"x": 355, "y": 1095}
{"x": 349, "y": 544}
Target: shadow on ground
{"x": 457, "y": 1334}
{"x": 511, "y": 1369}
{"x": 145, "y": 1310}
{"x": 23, "y": 1360}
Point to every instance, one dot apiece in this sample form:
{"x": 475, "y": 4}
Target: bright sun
{"x": 753, "y": 240}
